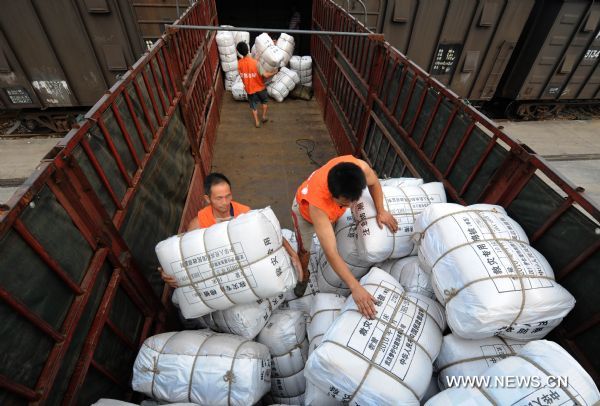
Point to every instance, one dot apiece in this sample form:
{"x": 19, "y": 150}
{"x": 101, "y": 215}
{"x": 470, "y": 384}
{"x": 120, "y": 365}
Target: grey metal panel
{"x": 564, "y": 40}
{"x": 584, "y": 80}
{"x": 375, "y": 9}
{"x": 465, "y": 44}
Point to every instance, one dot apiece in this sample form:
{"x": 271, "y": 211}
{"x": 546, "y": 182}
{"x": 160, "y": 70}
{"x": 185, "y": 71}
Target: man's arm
{"x": 295, "y": 259}
{"x": 363, "y": 299}
{"x": 383, "y": 216}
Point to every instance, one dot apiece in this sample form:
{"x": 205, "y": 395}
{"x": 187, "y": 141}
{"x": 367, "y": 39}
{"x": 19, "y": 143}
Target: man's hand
{"x": 168, "y": 279}
{"x": 297, "y": 266}
{"x": 364, "y": 301}
{"x": 384, "y": 217}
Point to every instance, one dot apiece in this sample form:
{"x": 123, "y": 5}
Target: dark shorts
{"x": 261, "y": 97}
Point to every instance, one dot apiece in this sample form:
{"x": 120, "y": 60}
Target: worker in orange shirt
{"x": 252, "y": 77}
{"x": 221, "y": 207}
{"x": 320, "y": 201}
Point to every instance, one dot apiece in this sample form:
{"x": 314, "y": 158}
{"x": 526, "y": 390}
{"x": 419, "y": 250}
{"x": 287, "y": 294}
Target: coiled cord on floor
{"x": 309, "y": 146}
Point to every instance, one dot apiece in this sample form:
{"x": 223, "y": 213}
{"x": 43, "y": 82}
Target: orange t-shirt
{"x": 315, "y": 191}
{"x": 248, "y": 69}
{"x": 206, "y": 218}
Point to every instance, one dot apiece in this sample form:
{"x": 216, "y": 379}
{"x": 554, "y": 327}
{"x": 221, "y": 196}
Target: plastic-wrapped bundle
{"x": 347, "y": 245}
{"x": 316, "y": 397}
{"x": 324, "y": 308}
{"x": 229, "y": 66}
{"x": 241, "y": 36}
{"x": 411, "y": 276}
{"x": 253, "y": 51}
{"x": 404, "y": 203}
{"x": 399, "y": 182}
{"x": 113, "y": 402}
{"x": 225, "y": 39}
{"x": 262, "y": 43}
{"x": 245, "y": 320}
{"x": 286, "y": 43}
{"x": 202, "y": 367}
{"x": 238, "y": 90}
{"x": 484, "y": 271}
{"x": 285, "y": 336}
{"x": 302, "y": 65}
{"x": 228, "y": 54}
{"x": 296, "y": 400}
{"x": 541, "y": 363}
{"x": 270, "y": 59}
{"x": 461, "y": 357}
{"x": 281, "y": 84}
{"x": 387, "y": 360}
{"x": 229, "y": 263}
{"x": 230, "y": 79}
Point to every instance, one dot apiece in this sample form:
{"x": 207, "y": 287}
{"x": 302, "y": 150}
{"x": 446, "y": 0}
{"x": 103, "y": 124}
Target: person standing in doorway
{"x": 252, "y": 77}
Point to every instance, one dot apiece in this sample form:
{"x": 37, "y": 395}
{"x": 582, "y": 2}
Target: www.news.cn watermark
{"x": 508, "y": 382}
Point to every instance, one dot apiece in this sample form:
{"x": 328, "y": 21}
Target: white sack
{"x": 474, "y": 251}
{"x": 286, "y": 43}
{"x": 290, "y": 236}
{"x": 404, "y": 203}
{"x": 461, "y": 357}
{"x": 300, "y": 64}
{"x": 262, "y": 43}
{"x": 289, "y": 386}
{"x": 530, "y": 362}
{"x": 315, "y": 397}
{"x": 238, "y": 90}
{"x": 241, "y": 36}
{"x": 245, "y": 320}
{"x": 295, "y": 401}
{"x": 291, "y": 74}
{"x": 399, "y": 182}
{"x": 432, "y": 390}
{"x": 324, "y": 308}
{"x": 227, "y": 53}
{"x": 347, "y": 245}
{"x": 253, "y": 52}
{"x": 225, "y": 39}
{"x": 411, "y": 276}
{"x": 229, "y": 66}
{"x": 353, "y": 341}
{"x": 271, "y": 58}
{"x": 198, "y": 366}
{"x": 216, "y": 281}
{"x": 303, "y": 303}
{"x": 278, "y": 91}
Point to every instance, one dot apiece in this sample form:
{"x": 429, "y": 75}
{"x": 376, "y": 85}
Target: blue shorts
{"x": 261, "y": 97}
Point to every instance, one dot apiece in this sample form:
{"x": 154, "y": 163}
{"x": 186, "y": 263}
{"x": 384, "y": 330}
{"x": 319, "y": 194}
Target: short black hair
{"x": 346, "y": 180}
{"x": 212, "y": 179}
{"x": 242, "y": 48}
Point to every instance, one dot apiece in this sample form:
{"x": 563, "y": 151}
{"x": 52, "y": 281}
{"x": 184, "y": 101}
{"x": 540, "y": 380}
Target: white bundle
{"x": 230, "y": 79}
{"x": 113, "y": 402}
{"x": 404, "y": 203}
{"x": 282, "y": 84}
{"x": 225, "y": 39}
{"x": 241, "y": 36}
{"x": 262, "y": 43}
{"x": 541, "y": 363}
{"x": 270, "y": 59}
{"x": 399, "y": 182}
{"x": 290, "y": 236}
{"x": 460, "y": 357}
{"x": 203, "y": 367}
{"x": 387, "y": 360}
{"x": 246, "y": 320}
{"x": 432, "y": 390}
{"x": 324, "y": 308}
{"x": 303, "y": 303}
{"x": 347, "y": 246}
{"x": 316, "y": 397}
{"x": 238, "y": 90}
{"x": 285, "y": 336}
{"x": 303, "y": 66}
{"x": 253, "y": 52}
{"x": 228, "y": 53}
{"x": 411, "y": 276}
{"x": 286, "y": 43}
{"x": 484, "y": 271}
{"x": 295, "y": 401}
{"x": 229, "y": 263}
{"x": 229, "y": 66}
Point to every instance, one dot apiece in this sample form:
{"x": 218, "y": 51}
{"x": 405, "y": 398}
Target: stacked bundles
{"x": 230, "y": 263}
{"x": 460, "y": 357}
{"x": 286, "y": 43}
{"x": 270, "y": 59}
{"x": 303, "y": 66}
{"x": 404, "y": 203}
{"x": 347, "y": 245}
{"x": 541, "y": 363}
{"x": 282, "y": 83}
{"x": 484, "y": 271}
{"x": 387, "y": 360}
{"x": 202, "y": 367}
{"x": 411, "y": 276}
{"x": 246, "y": 320}
{"x": 324, "y": 308}
{"x": 285, "y": 336}
{"x": 238, "y": 90}
{"x": 231, "y": 78}
{"x": 303, "y": 303}
{"x": 241, "y": 36}
{"x": 227, "y": 51}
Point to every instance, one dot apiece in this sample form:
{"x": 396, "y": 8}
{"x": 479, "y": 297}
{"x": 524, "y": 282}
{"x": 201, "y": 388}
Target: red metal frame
{"x": 520, "y": 165}
{"x": 176, "y": 58}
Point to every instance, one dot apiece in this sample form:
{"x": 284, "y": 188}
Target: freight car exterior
{"x": 63, "y": 53}
{"x": 79, "y": 290}
{"x": 557, "y": 59}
